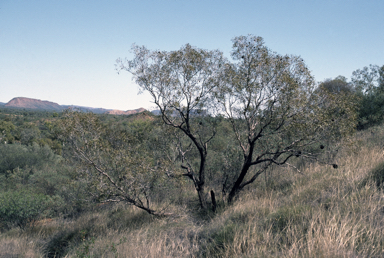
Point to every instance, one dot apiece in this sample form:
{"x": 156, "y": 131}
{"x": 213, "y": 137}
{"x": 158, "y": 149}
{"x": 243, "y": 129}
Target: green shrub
{"x": 14, "y": 156}
{"x": 21, "y": 207}
{"x": 29, "y": 134}
{"x": 6, "y": 131}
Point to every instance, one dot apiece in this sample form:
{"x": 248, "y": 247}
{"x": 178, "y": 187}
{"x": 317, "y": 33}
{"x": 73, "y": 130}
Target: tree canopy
{"x": 182, "y": 84}
{"x": 276, "y": 111}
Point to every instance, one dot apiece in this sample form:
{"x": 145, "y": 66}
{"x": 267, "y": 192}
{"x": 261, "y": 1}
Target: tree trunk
{"x": 236, "y": 186}
{"x": 201, "y": 182}
{"x": 200, "y": 192}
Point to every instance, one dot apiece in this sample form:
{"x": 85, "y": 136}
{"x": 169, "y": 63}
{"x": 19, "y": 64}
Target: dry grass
{"x": 324, "y": 213}
{"x": 21, "y": 246}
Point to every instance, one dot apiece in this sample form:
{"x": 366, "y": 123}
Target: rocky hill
{"x": 21, "y": 102}
{"x": 33, "y": 104}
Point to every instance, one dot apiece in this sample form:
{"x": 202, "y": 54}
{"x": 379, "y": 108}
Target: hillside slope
{"x": 21, "y": 102}
{"x": 29, "y": 103}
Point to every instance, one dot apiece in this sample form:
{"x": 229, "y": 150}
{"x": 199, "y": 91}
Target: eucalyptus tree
{"x": 275, "y": 108}
{"x": 182, "y": 84}
{"x": 275, "y": 112}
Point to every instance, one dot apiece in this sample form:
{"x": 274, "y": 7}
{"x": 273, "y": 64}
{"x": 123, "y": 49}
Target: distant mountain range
{"x": 37, "y": 104}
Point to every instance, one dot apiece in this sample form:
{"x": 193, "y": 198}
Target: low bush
{"x": 14, "y": 156}
{"x": 21, "y": 207}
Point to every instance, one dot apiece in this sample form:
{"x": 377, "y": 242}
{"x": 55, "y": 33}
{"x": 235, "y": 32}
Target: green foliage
{"x": 14, "y": 156}
{"x": 24, "y": 115}
{"x": 42, "y": 172}
{"x": 28, "y": 127}
{"x": 224, "y": 160}
{"x": 321, "y": 214}
{"x": 270, "y": 101}
{"x": 29, "y": 134}
{"x": 275, "y": 111}
{"x": 337, "y": 86}
{"x": 182, "y": 84}
{"x": 21, "y": 207}
{"x": 116, "y": 162}
{"x": 369, "y": 83}
{"x": 6, "y": 131}
{"x": 371, "y": 110}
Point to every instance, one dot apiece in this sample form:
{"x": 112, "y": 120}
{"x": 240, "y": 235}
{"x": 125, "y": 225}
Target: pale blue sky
{"x": 65, "y": 50}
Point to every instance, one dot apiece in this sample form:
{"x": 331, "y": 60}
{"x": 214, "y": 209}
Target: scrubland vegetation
{"x": 320, "y": 212}
{"x": 250, "y": 158}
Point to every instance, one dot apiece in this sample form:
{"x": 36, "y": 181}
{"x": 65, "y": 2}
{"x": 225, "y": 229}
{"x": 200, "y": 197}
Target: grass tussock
{"x": 321, "y": 212}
